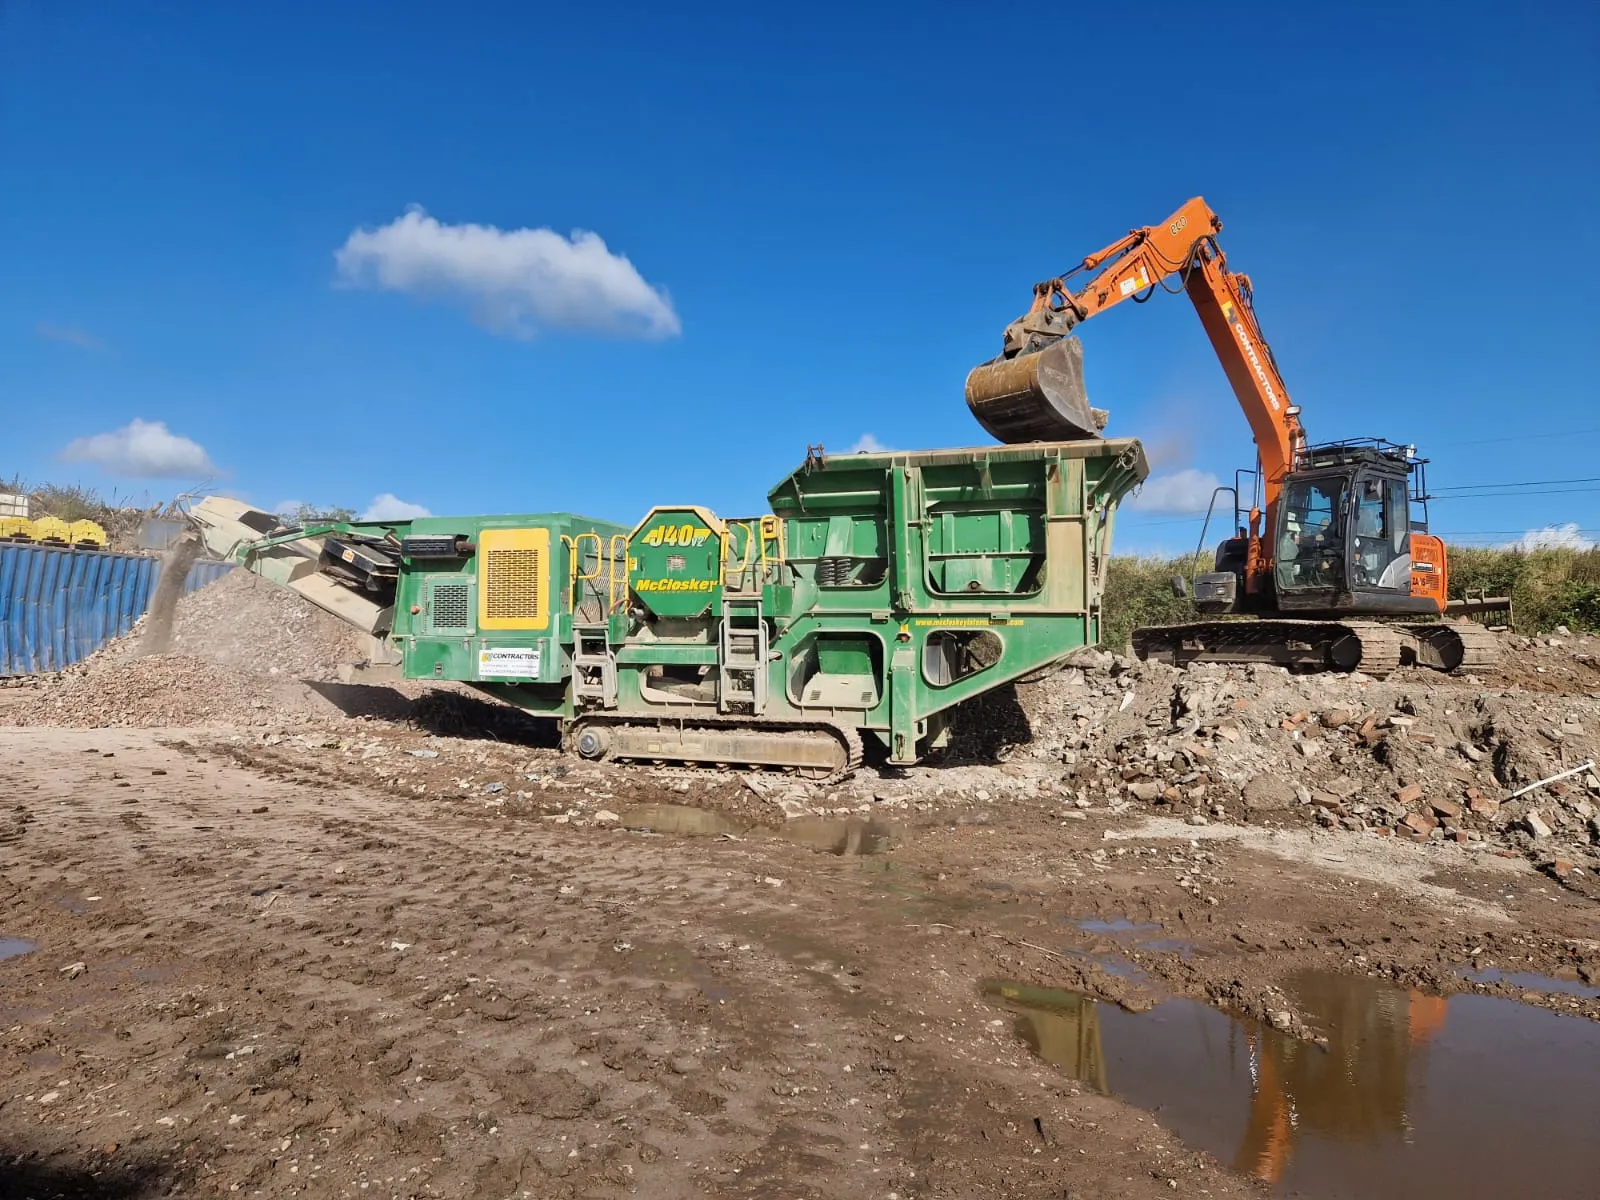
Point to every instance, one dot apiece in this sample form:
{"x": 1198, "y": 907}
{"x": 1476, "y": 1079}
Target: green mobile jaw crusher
{"x": 880, "y": 591}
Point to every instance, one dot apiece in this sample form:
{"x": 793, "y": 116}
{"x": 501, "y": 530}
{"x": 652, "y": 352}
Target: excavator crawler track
{"x": 1454, "y": 646}
{"x": 821, "y": 752}
{"x": 1372, "y": 647}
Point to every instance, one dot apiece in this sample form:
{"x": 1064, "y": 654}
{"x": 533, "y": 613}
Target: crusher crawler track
{"x": 1376, "y": 648}
{"x": 822, "y": 753}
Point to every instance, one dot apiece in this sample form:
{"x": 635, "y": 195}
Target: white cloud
{"x": 516, "y": 281}
{"x": 70, "y": 334}
{"x": 1556, "y": 537}
{"x": 867, "y": 444}
{"x": 1185, "y": 491}
{"x": 389, "y": 507}
{"x": 142, "y": 450}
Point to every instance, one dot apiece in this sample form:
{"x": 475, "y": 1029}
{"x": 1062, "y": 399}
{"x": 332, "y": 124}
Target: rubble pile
{"x": 243, "y": 650}
{"x": 1421, "y": 757}
{"x": 167, "y": 690}
{"x": 242, "y": 620}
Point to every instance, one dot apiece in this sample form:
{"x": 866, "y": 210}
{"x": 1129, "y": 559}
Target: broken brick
{"x": 1410, "y": 794}
{"x": 1446, "y": 809}
{"x": 1420, "y": 824}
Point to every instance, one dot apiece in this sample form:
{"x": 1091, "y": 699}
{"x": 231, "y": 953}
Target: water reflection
{"x": 1412, "y": 1095}
{"x": 681, "y": 819}
{"x": 847, "y": 837}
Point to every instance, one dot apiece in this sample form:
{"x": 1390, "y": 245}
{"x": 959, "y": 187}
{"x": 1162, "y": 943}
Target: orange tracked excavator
{"x": 1330, "y": 533}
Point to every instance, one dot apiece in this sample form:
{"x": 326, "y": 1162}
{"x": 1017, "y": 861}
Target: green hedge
{"x": 1139, "y": 592}
{"x": 1547, "y": 587}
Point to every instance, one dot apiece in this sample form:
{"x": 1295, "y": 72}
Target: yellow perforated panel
{"x": 513, "y": 587}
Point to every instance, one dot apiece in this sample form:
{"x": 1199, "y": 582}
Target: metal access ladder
{"x": 594, "y": 666}
{"x": 742, "y": 653}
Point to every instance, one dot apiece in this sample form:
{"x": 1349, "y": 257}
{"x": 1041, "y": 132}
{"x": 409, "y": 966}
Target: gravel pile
{"x": 244, "y": 652}
{"x": 242, "y": 620}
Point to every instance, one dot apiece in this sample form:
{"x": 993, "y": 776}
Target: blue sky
{"x": 828, "y": 213}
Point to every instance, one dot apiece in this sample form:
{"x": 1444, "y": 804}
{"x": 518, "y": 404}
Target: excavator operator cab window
{"x": 1311, "y": 545}
{"x": 1381, "y": 554}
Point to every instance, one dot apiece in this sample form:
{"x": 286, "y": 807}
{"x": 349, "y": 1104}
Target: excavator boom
{"x": 1035, "y": 391}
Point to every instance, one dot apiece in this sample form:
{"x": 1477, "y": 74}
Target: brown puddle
{"x": 1138, "y": 933}
{"x": 681, "y": 819}
{"x": 1530, "y": 982}
{"x": 1414, "y": 1095}
{"x": 844, "y": 837}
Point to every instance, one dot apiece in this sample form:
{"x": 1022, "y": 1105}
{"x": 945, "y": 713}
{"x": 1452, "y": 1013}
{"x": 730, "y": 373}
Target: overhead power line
{"x": 1515, "y": 437}
{"x": 1469, "y": 487}
{"x": 1520, "y": 491}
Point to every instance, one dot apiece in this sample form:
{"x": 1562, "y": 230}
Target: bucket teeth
{"x": 1037, "y": 397}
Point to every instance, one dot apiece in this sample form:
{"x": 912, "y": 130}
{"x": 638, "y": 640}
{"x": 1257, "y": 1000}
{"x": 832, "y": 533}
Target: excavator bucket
{"x": 1036, "y": 397}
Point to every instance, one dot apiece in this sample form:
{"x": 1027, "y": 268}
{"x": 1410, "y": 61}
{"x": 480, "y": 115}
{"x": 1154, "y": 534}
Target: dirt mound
{"x": 244, "y": 652}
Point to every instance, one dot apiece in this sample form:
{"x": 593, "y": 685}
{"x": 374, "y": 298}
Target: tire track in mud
{"x": 377, "y": 981}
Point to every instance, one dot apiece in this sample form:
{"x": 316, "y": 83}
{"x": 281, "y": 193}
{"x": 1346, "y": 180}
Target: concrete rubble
{"x": 1421, "y": 756}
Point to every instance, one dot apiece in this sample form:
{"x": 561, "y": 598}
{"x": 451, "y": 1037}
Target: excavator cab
{"x": 1342, "y": 537}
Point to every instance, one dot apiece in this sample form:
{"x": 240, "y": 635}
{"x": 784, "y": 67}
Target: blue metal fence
{"x": 58, "y": 606}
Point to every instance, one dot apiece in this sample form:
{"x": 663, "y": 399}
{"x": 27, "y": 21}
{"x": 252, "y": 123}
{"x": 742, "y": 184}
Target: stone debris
{"x": 1421, "y": 756}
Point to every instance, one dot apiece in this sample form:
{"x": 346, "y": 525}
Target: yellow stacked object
{"x": 87, "y": 534}
{"x": 53, "y": 530}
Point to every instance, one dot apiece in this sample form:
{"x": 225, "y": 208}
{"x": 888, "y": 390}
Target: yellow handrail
{"x": 575, "y": 563}
{"x": 759, "y": 534}
{"x": 618, "y": 592}
{"x": 727, "y": 546}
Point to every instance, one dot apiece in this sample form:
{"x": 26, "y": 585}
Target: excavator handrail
{"x": 1200, "y": 545}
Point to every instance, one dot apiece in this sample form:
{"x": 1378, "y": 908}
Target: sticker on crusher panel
{"x": 505, "y": 662}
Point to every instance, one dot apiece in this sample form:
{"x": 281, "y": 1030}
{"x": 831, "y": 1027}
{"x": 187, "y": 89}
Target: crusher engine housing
{"x": 880, "y": 591}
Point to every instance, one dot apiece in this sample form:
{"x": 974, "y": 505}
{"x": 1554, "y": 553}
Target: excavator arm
{"x": 1034, "y": 389}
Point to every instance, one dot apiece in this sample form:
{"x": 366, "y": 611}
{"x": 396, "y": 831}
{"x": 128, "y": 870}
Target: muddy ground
{"x": 253, "y": 975}
{"x": 1141, "y": 933}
